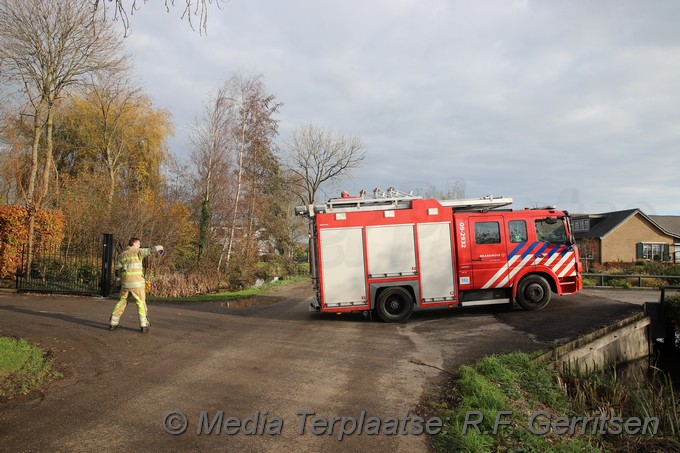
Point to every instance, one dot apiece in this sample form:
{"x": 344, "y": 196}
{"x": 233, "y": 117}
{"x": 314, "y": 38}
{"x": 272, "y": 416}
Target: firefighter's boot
{"x": 113, "y": 322}
{"x": 144, "y": 324}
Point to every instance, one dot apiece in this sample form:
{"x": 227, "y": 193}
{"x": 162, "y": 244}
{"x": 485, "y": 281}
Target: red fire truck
{"x": 394, "y": 252}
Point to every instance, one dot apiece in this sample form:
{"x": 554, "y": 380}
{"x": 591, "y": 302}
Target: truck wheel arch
{"x": 377, "y": 288}
{"x": 550, "y": 277}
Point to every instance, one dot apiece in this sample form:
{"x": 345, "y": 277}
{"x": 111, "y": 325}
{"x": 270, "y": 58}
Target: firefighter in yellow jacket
{"x": 132, "y": 282}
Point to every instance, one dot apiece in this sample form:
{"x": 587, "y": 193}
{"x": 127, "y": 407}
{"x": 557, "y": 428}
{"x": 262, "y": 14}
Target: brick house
{"x": 627, "y": 236}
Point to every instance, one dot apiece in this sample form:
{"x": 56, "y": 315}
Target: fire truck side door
{"x": 436, "y": 262}
{"x": 343, "y": 267}
{"x": 488, "y": 250}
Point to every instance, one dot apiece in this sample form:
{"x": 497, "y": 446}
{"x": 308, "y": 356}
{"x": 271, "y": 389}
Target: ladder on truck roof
{"x": 394, "y": 199}
{"x": 488, "y": 202}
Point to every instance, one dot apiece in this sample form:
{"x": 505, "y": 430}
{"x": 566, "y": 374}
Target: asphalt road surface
{"x": 273, "y": 356}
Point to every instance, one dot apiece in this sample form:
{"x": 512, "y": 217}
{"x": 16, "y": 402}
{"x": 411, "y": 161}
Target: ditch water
{"x": 258, "y": 301}
{"x": 667, "y": 360}
{"x": 666, "y": 350}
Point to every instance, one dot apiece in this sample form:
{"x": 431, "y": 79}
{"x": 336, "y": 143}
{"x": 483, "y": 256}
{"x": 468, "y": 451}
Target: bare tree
{"x": 210, "y": 139}
{"x": 46, "y": 49}
{"x": 318, "y": 156}
{"x": 112, "y": 99}
{"x": 238, "y": 174}
{"x": 192, "y": 9}
{"x": 251, "y": 110}
{"x": 589, "y": 249}
{"x": 7, "y": 178}
{"x": 454, "y": 190}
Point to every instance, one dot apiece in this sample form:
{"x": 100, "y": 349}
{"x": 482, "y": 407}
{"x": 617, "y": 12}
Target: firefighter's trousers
{"x": 139, "y": 295}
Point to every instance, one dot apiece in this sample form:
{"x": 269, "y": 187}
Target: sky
{"x": 567, "y": 103}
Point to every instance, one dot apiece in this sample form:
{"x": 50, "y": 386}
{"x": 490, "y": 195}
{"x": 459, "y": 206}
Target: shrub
{"x": 652, "y": 282}
{"x": 673, "y": 309}
{"x": 268, "y": 270}
{"x": 590, "y": 281}
{"x": 654, "y": 268}
{"x": 49, "y": 231}
{"x": 181, "y": 285}
{"x": 240, "y": 276}
{"x": 618, "y": 283}
{"x": 672, "y": 269}
{"x": 598, "y": 268}
{"x": 615, "y": 271}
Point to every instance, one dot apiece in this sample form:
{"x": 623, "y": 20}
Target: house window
{"x": 581, "y": 224}
{"x": 651, "y": 251}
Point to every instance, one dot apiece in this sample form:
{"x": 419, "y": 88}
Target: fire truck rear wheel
{"x": 395, "y": 304}
{"x": 533, "y": 293}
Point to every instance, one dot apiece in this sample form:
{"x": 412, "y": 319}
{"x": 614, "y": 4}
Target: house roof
{"x": 611, "y": 220}
{"x": 668, "y": 222}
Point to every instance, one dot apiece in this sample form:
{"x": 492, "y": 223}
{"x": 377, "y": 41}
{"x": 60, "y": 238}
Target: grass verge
{"x": 23, "y": 367}
{"x": 504, "y": 394}
{"x": 229, "y": 295}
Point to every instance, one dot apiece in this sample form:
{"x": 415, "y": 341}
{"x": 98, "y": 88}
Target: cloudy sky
{"x": 572, "y": 103}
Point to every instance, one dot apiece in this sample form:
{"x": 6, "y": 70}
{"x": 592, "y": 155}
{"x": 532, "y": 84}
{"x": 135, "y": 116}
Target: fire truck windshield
{"x": 551, "y": 230}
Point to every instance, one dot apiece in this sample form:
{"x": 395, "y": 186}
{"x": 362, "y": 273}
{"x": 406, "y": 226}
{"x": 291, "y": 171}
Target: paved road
{"x": 278, "y": 358}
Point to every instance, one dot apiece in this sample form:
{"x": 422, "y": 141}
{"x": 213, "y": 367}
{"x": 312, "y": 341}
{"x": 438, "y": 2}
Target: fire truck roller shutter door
{"x": 342, "y": 261}
{"x": 436, "y": 262}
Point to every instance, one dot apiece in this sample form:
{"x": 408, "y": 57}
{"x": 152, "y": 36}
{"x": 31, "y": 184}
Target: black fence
{"x": 83, "y": 268}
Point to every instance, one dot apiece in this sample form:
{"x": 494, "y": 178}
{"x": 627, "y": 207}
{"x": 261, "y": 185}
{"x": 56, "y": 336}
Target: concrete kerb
{"x": 623, "y": 341}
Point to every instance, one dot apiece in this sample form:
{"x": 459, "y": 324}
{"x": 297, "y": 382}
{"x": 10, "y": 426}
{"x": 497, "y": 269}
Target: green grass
{"x": 23, "y": 367}
{"x": 229, "y": 295}
{"x": 521, "y": 385}
{"x": 512, "y": 382}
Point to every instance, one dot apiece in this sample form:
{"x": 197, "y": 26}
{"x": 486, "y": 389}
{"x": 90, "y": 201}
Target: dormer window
{"x": 581, "y": 224}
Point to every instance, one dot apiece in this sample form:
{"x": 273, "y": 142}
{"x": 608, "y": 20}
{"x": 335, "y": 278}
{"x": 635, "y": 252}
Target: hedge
{"x": 49, "y": 230}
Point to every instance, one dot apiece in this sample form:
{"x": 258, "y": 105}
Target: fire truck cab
{"x": 393, "y": 253}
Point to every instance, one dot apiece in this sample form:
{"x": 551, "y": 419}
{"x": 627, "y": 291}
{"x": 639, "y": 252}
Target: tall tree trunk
{"x": 206, "y": 214}
{"x": 49, "y": 152}
{"x": 32, "y": 180}
{"x": 229, "y": 244}
{"x": 112, "y": 190}
{"x": 251, "y": 215}
{"x": 112, "y": 177}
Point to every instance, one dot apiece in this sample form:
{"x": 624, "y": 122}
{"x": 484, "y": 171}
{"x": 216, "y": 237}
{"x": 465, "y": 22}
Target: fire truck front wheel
{"x": 394, "y": 304}
{"x": 533, "y": 293}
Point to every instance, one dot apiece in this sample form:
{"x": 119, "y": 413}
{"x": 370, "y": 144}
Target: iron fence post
{"x": 107, "y": 260}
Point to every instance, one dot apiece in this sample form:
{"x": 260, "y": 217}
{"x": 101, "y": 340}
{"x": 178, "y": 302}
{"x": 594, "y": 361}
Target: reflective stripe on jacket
{"x": 131, "y": 268}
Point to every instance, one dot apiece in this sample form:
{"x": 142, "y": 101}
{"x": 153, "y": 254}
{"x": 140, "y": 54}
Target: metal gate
{"x": 82, "y": 268}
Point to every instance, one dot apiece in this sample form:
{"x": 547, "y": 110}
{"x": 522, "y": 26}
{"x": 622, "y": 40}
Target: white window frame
{"x": 581, "y": 224}
{"x": 648, "y": 253}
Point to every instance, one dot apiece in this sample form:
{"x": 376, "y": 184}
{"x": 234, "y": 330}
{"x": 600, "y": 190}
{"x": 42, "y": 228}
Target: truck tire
{"x": 533, "y": 292}
{"x": 394, "y": 304}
